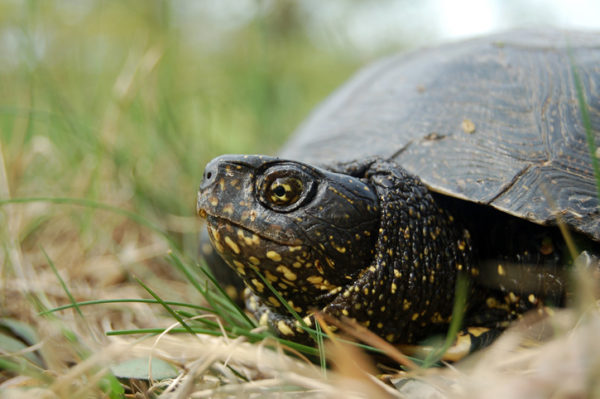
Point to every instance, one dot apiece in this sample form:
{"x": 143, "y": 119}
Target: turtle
{"x": 443, "y": 164}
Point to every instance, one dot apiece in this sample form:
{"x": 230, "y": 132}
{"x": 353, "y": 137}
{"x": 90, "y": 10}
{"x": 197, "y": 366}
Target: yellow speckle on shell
{"x": 468, "y": 126}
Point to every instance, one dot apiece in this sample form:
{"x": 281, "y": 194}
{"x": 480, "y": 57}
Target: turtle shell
{"x": 494, "y": 120}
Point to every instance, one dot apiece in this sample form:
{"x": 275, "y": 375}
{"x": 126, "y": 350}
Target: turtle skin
{"x": 456, "y": 160}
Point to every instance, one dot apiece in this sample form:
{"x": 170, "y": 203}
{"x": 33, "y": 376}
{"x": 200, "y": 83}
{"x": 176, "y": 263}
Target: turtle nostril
{"x": 208, "y": 175}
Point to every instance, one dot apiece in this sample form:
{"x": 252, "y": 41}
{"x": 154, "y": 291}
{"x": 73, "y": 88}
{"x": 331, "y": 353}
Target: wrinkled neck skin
{"x": 406, "y": 290}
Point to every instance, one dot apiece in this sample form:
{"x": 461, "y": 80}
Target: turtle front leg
{"x": 281, "y": 323}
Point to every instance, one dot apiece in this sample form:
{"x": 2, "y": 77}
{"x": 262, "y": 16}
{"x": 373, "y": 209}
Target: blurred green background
{"x": 124, "y": 102}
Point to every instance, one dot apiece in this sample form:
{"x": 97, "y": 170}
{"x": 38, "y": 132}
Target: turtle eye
{"x": 285, "y": 186}
{"x": 284, "y": 191}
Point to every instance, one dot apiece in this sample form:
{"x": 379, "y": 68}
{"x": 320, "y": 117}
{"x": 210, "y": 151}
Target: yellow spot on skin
{"x": 274, "y": 301}
{"x": 393, "y": 288}
{"x": 318, "y": 266}
{"x": 264, "y": 319}
{"x": 501, "y": 271}
{"x": 297, "y": 265}
{"x": 295, "y": 248}
{"x": 214, "y": 201}
{"x": 397, "y": 273}
{"x": 380, "y": 325}
{"x": 308, "y": 321}
{"x": 382, "y": 309}
{"x": 247, "y": 240}
{"x": 240, "y": 267}
{"x": 345, "y": 312}
{"x": 283, "y": 328}
{"x": 273, "y": 256}
{"x": 415, "y": 316}
{"x": 339, "y": 249}
{"x": 254, "y": 260}
{"x": 461, "y": 245}
{"x": 234, "y": 247}
{"x": 314, "y": 279}
{"x": 477, "y": 331}
{"x": 389, "y": 338}
{"x": 228, "y": 209}
{"x": 270, "y": 276}
{"x": 512, "y": 297}
{"x": 459, "y": 267}
{"x": 259, "y": 286}
{"x": 219, "y": 247}
{"x": 437, "y": 318}
{"x": 406, "y": 304}
{"x": 296, "y": 308}
{"x": 532, "y": 298}
{"x": 287, "y": 273}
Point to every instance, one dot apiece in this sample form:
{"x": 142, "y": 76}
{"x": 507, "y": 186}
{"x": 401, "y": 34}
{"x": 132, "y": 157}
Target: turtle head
{"x": 308, "y": 231}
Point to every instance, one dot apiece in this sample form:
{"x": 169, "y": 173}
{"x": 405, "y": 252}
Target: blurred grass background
{"x": 118, "y": 102}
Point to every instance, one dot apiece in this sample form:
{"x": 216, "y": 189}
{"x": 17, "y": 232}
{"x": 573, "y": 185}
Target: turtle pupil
{"x": 279, "y": 191}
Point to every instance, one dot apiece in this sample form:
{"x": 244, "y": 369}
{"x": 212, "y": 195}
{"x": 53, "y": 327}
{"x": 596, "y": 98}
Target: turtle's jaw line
{"x": 218, "y": 221}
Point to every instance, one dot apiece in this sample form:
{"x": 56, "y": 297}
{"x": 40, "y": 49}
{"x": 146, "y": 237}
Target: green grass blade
{"x": 228, "y": 303}
{"x": 166, "y": 306}
{"x": 106, "y": 301}
{"x": 321, "y": 348}
{"x": 585, "y": 118}
{"x": 63, "y": 284}
{"x": 458, "y": 312}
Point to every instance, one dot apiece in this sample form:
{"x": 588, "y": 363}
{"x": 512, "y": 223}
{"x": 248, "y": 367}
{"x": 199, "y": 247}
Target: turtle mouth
{"x": 221, "y": 222}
